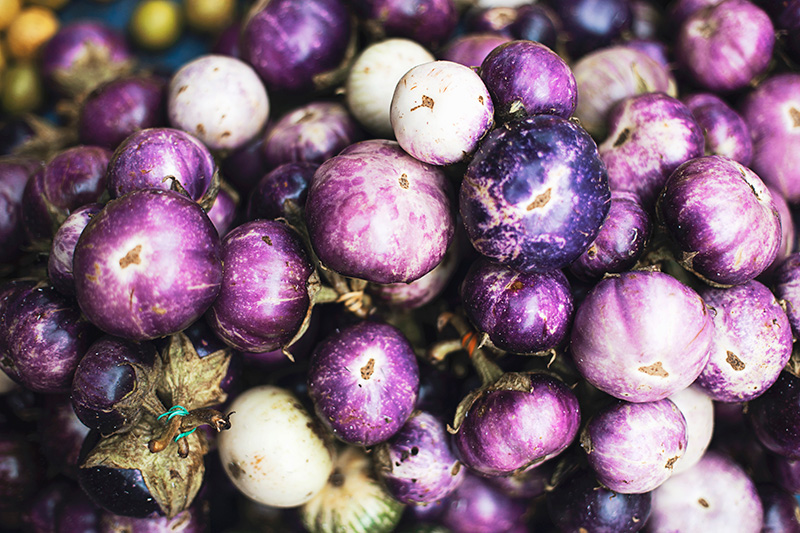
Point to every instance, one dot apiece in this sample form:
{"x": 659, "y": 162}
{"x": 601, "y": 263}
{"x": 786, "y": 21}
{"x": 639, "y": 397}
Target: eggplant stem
{"x": 182, "y": 423}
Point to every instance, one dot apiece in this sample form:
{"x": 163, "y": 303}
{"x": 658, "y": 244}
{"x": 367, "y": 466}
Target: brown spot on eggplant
{"x": 795, "y": 114}
{"x": 736, "y": 363}
{"x": 132, "y": 257}
{"x": 368, "y": 369}
{"x": 671, "y": 462}
{"x": 624, "y": 135}
{"x": 235, "y": 470}
{"x": 267, "y": 240}
{"x": 403, "y": 181}
{"x": 201, "y": 129}
{"x": 541, "y": 200}
{"x": 703, "y": 502}
{"x": 656, "y": 369}
{"x": 427, "y": 101}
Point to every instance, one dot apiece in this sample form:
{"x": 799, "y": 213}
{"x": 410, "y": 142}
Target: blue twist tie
{"x": 177, "y": 410}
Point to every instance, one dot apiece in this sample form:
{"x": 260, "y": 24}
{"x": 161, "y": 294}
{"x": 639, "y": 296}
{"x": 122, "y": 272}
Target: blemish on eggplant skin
{"x": 656, "y": 369}
{"x": 235, "y": 470}
{"x": 703, "y": 503}
{"x": 540, "y": 201}
{"x": 267, "y": 240}
{"x": 368, "y": 369}
{"x": 671, "y": 462}
{"x": 132, "y": 257}
{"x": 736, "y": 363}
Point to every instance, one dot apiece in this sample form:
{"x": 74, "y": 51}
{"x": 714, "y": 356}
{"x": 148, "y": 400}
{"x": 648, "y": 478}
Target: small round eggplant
{"x": 650, "y": 135}
{"x": 428, "y": 22}
{"x": 521, "y": 313}
{"x": 722, "y": 220}
{"x": 287, "y": 182}
{"x": 376, "y": 213}
{"x": 364, "y": 381}
{"x": 14, "y": 175}
{"x": 641, "y": 336}
{"x": 632, "y": 447}
{"x": 725, "y": 131}
{"x": 156, "y": 157}
{"x": 751, "y": 344}
{"x": 527, "y": 78}
{"x": 219, "y": 99}
{"x": 519, "y": 194}
{"x": 775, "y": 416}
{"x": 59, "y": 263}
{"x": 698, "y": 411}
{"x": 580, "y": 503}
{"x": 416, "y": 464}
{"x": 592, "y": 24}
{"x": 147, "y": 265}
{"x": 521, "y": 420}
{"x": 479, "y": 507}
{"x": 714, "y": 495}
{"x": 264, "y": 295}
{"x": 440, "y": 111}
{"x": 472, "y": 48}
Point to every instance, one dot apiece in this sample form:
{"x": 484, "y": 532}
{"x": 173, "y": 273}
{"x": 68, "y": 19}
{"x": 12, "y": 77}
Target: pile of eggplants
{"x": 409, "y": 265}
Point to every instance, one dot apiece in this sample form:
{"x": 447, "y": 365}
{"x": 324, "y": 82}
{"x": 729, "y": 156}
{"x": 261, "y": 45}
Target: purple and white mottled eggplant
{"x": 224, "y": 211}
{"x": 14, "y": 176}
{"x": 43, "y": 337}
{"x": 656, "y": 50}
{"x": 535, "y": 194}
{"x": 786, "y": 286}
{"x": 650, "y": 135}
{"x": 293, "y": 46}
{"x": 521, "y": 313}
{"x": 772, "y": 111}
{"x": 120, "y": 108}
{"x": 641, "y": 336}
{"x": 788, "y": 233}
{"x": 82, "y": 54}
{"x": 781, "y": 509}
{"x": 376, "y": 213}
{"x": 724, "y": 47}
{"x": 75, "y": 177}
{"x": 155, "y": 157}
{"x": 373, "y": 77}
{"x": 440, "y": 111}
{"x": 632, "y": 447}
{"x": 775, "y": 417}
{"x": 364, "y": 381}
{"x": 264, "y": 295}
{"x": 725, "y": 131}
{"x": 621, "y": 240}
{"x": 479, "y": 507}
{"x": 313, "y": 132}
{"x": 520, "y": 420}
{"x": 580, "y": 503}
{"x": 751, "y": 344}
{"x": 698, "y": 411}
{"x": 472, "y": 48}
{"x": 416, "y": 464}
{"x": 608, "y": 76}
{"x": 59, "y": 263}
{"x": 219, "y": 99}
{"x": 531, "y": 483}
{"x": 112, "y": 383}
{"x": 428, "y": 22}
{"x": 714, "y": 495}
{"x": 679, "y": 10}
{"x": 147, "y": 265}
{"x": 528, "y": 78}
{"x": 287, "y": 182}
{"x": 243, "y": 168}
{"x": 722, "y": 220}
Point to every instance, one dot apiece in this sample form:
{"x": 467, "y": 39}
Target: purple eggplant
{"x": 786, "y": 280}
{"x": 592, "y": 24}
{"x": 275, "y": 41}
{"x": 698, "y": 411}
{"x": 314, "y": 132}
{"x": 775, "y": 418}
{"x": 725, "y": 131}
{"x": 428, "y": 22}
{"x": 364, "y": 381}
{"x": 650, "y": 135}
{"x": 225, "y": 210}
{"x": 751, "y": 344}
{"x": 641, "y": 336}
{"x": 722, "y": 220}
{"x": 633, "y": 447}
{"x": 714, "y": 495}
{"x": 472, "y": 48}
{"x": 43, "y": 337}
{"x": 59, "y": 263}
{"x": 479, "y": 507}
{"x": 536, "y": 22}
{"x": 376, "y": 213}
{"x": 264, "y": 292}
{"x": 621, "y": 240}
{"x": 724, "y": 47}
{"x": 519, "y": 194}
{"x": 147, "y": 265}
{"x": 520, "y": 420}
{"x": 14, "y": 176}
{"x": 781, "y": 510}
{"x": 521, "y": 313}
{"x": 243, "y": 168}
{"x": 218, "y": 99}
{"x": 112, "y": 383}
{"x": 527, "y": 78}
{"x": 156, "y": 158}
{"x": 192, "y": 520}
{"x": 120, "y": 108}
{"x": 579, "y": 502}
{"x": 771, "y": 111}
{"x": 74, "y": 177}
{"x": 416, "y": 464}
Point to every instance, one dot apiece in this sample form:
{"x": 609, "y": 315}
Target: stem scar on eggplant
{"x": 368, "y": 369}
{"x": 132, "y": 257}
{"x": 703, "y": 502}
{"x": 794, "y": 113}
{"x": 656, "y": 369}
{"x": 734, "y": 361}
{"x": 427, "y": 101}
{"x": 541, "y": 200}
